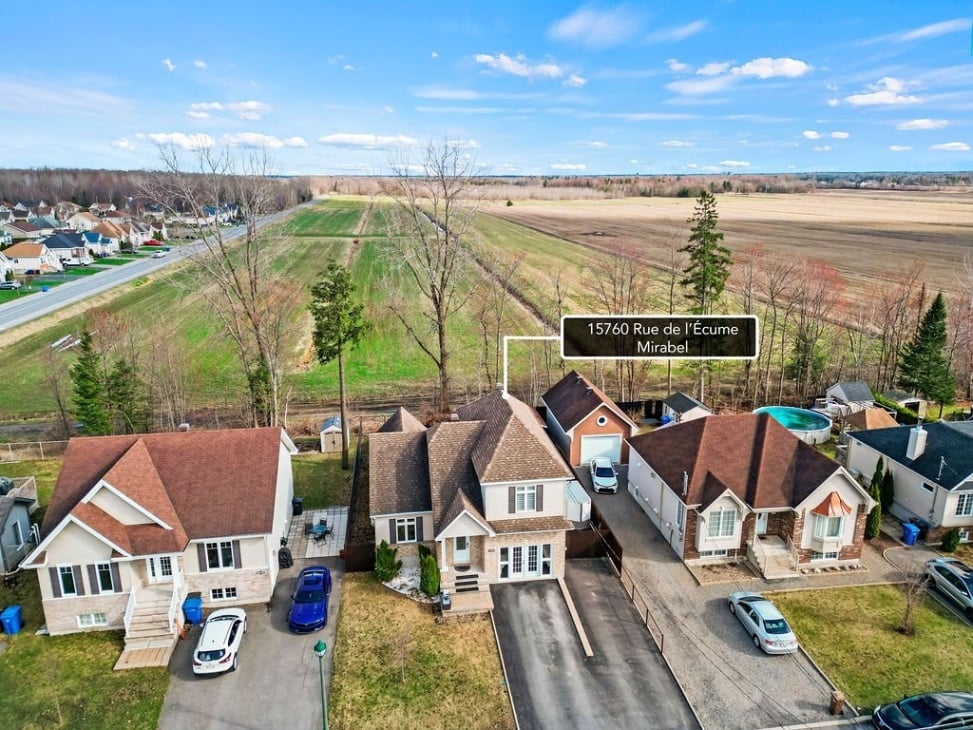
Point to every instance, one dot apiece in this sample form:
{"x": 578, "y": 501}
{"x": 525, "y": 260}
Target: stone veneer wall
{"x": 61, "y": 614}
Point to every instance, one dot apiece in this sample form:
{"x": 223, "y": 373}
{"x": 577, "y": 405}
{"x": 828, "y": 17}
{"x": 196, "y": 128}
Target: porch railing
{"x": 173, "y": 606}
{"x": 132, "y": 603}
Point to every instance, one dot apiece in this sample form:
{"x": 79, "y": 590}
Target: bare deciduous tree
{"x": 430, "y": 233}
{"x": 914, "y": 587}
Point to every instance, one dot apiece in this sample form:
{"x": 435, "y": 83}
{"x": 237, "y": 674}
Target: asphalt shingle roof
{"x": 573, "y": 398}
{"x": 949, "y": 442}
{"x": 682, "y": 403}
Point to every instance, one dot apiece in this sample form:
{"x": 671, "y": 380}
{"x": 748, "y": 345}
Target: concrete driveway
{"x": 625, "y": 684}
{"x": 278, "y": 682}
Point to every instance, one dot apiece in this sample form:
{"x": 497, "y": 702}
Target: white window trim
{"x": 219, "y": 552}
{"x": 821, "y": 523}
{"x": 525, "y": 498}
{"x": 409, "y": 526}
{"x": 74, "y": 580}
{"x": 19, "y": 534}
{"x": 717, "y": 519}
{"x": 223, "y": 593}
{"x": 966, "y": 498}
{"x": 111, "y": 578}
{"x": 90, "y": 620}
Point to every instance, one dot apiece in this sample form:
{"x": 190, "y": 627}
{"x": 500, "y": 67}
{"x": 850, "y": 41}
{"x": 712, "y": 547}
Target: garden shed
{"x": 331, "y": 435}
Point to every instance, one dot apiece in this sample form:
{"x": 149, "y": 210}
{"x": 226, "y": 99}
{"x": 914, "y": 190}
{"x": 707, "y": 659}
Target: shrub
{"x": 510, "y": 203}
{"x": 873, "y": 527}
{"x": 887, "y": 491}
{"x": 423, "y": 550}
{"x": 386, "y": 566}
{"x": 951, "y": 540}
{"x": 428, "y": 575}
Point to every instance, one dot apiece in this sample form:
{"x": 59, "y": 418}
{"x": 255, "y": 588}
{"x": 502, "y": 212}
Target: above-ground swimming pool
{"x": 809, "y": 426}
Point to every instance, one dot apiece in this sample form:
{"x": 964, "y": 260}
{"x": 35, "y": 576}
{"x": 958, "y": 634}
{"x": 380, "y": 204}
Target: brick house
{"x": 136, "y": 522}
{"x": 585, "y": 423}
{"x": 486, "y": 492}
{"x": 726, "y": 488}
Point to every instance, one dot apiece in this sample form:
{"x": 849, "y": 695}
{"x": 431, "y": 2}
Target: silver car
{"x": 218, "y": 648}
{"x": 765, "y": 624}
{"x": 954, "y": 578}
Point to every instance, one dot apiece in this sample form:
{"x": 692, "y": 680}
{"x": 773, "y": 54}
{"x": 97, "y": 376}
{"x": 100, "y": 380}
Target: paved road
{"x": 277, "y": 685}
{"x": 24, "y": 309}
{"x": 626, "y": 684}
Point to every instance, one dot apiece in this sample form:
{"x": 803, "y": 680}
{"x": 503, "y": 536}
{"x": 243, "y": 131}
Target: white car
{"x": 159, "y": 254}
{"x": 218, "y": 648}
{"x": 765, "y": 624}
{"x": 603, "y": 475}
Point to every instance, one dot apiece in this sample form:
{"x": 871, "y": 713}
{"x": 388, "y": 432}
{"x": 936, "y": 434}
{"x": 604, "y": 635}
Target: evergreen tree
{"x": 709, "y": 261}
{"x": 887, "y": 492}
{"x": 338, "y": 324}
{"x": 873, "y": 526}
{"x": 877, "y": 476}
{"x": 125, "y": 398}
{"x": 90, "y": 397}
{"x": 923, "y": 364}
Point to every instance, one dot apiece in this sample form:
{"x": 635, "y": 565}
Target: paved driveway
{"x": 626, "y": 683}
{"x": 278, "y": 682}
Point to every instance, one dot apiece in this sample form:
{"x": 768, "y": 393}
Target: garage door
{"x": 592, "y": 446}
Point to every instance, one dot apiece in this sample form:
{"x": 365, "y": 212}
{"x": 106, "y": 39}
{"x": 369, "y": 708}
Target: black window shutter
{"x": 116, "y": 578}
{"x": 418, "y": 529}
{"x": 237, "y": 559}
{"x": 540, "y": 497}
{"x": 78, "y": 579}
{"x": 511, "y": 499}
{"x": 201, "y": 556}
{"x": 392, "y": 537}
{"x": 93, "y": 580}
{"x": 55, "y": 581}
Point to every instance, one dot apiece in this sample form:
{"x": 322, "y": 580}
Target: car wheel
{"x": 733, "y": 609}
{"x": 236, "y": 662}
{"x": 756, "y": 641}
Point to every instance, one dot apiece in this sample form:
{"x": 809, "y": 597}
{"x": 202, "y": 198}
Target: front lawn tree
{"x": 338, "y": 325}
{"x": 924, "y": 365}
{"x": 430, "y": 234}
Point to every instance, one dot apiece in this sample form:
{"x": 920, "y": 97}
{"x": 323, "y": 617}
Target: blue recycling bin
{"x": 11, "y": 619}
{"x": 910, "y": 532}
{"x": 192, "y": 607}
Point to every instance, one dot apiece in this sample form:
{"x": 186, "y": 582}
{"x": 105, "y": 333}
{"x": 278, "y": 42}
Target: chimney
{"x": 917, "y": 442}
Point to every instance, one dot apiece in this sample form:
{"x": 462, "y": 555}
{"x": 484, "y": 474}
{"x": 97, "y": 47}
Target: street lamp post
{"x": 319, "y": 649}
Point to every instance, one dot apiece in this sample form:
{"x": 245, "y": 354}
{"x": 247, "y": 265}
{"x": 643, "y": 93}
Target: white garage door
{"x": 592, "y": 446}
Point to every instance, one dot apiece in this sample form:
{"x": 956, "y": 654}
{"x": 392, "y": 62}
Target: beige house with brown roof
{"x": 726, "y": 488}
{"x": 136, "y": 522}
{"x": 32, "y": 258}
{"x": 486, "y": 492}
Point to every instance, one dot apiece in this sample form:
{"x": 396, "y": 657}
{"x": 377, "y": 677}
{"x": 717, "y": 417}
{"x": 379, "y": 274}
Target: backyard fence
{"x": 642, "y": 604}
{"x": 32, "y": 450}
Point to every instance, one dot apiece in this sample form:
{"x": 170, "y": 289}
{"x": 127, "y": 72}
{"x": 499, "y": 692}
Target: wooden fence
{"x": 645, "y": 611}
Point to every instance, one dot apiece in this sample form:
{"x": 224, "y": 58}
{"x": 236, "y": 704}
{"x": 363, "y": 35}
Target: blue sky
{"x": 526, "y": 87}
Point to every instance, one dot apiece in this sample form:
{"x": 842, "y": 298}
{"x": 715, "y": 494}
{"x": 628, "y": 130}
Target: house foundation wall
{"x": 61, "y": 614}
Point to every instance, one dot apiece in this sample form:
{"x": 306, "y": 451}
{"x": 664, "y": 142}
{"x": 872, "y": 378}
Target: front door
{"x": 160, "y": 569}
{"x": 461, "y": 550}
{"x": 761, "y": 524}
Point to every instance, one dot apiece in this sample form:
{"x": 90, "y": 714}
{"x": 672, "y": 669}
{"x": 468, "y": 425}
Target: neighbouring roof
{"x": 7, "y": 503}
{"x": 331, "y": 424}
{"x": 853, "y": 391}
{"x": 947, "y": 459}
{"x": 871, "y": 418}
{"x": 573, "y": 398}
{"x": 402, "y": 420}
{"x": 398, "y": 473}
{"x": 24, "y": 250}
{"x": 65, "y": 241}
{"x": 201, "y": 483}
{"x": 683, "y": 403}
{"x": 751, "y": 455}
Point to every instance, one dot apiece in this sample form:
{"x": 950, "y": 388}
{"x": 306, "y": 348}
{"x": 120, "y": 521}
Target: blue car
{"x": 309, "y": 608}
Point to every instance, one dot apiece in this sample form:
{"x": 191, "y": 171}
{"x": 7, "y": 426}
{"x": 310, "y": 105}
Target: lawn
{"x": 852, "y": 634}
{"x": 320, "y": 480}
{"x": 395, "y": 667}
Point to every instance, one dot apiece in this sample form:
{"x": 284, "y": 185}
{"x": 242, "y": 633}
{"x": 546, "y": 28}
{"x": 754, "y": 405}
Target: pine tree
{"x": 90, "y": 397}
{"x": 709, "y": 261}
{"x": 887, "y": 492}
{"x": 923, "y": 364}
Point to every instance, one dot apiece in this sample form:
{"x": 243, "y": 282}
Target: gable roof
{"x": 573, "y": 398}
{"x": 202, "y": 483}
{"x": 762, "y": 463}
{"x": 25, "y": 250}
{"x": 682, "y": 403}
{"x": 65, "y": 240}
{"x": 868, "y": 418}
{"x": 331, "y": 424}
{"x": 949, "y": 442}
{"x": 453, "y": 485}
{"x": 401, "y": 420}
{"x": 398, "y": 473}
{"x": 853, "y": 391}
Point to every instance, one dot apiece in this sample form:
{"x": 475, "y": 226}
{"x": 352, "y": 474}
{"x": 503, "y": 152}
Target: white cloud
{"x": 594, "y": 28}
{"x": 347, "y": 67}
{"x": 519, "y": 66}
{"x": 199, "y": 64}
{"x": 575, "y": 81}
{"x": 185, "y": 141}
{"x": 937, "y": 29}
{"x": 840, "y": 135}
{"x": 193, "y": 114}
{"x": 734, "y": 163}
{"x": 295, "y": 142}
{"x": 368, "y": 141}
{"x": 677, "y": 65}
{"x": 253, "y": 140}
{"x": 885, "y": 92}
{"x": 569, "y": 166}
{"x": 677, "y": 143}
{"x": 438, "y": 92}
{"x": 810, "y": 134}
{"x": 248, "y": 110}
{"x": 713, "y": 69}
{"x": 595, "y": 143}
{"x": 768, "y": 68}
{"x": 678, "y": 32}
{"x": 696, "y": 87}
{"x": 833, "y": 102}
{"x": 899, "y": 148}
{"x": 434, "y": 54}
{"x": 923, "y": 124}
{"x": 951, "y": 147}
{"x": 123, "y": 144}
{"x": 388, "y": 109}
{"x": 823, "y": 148}
{"x": 463, "y": 144}
{"x": 170, "y": 66}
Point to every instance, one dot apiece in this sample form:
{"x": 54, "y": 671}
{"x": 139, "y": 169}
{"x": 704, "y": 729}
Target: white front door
{"x": 761, "y": 523}
{"x": 461, "y": 550}
{"x": 160, "y": 569}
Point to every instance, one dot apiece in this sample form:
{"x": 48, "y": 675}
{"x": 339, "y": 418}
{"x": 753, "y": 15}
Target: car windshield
{"x": 210, "y": 656}
{"x": 315, "y": 595}
{"x": 604, "y": 471}
{"x": 923, "y": 710}
{"x": 776, "y": 626}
